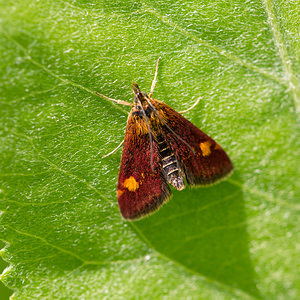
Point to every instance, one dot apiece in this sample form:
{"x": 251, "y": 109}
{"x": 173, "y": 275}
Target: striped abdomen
{"x": 170, "y": 164}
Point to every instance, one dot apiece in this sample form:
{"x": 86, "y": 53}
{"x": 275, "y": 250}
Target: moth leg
{"x": 154, "y": 80}
{"x": 115, "y": 150}
{"x": 186, "y": 110}
{"x": 114, "y": 100}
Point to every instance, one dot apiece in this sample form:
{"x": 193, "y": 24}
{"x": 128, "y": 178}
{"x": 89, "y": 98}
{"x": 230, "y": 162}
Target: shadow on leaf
{"x": 205, "y": 230}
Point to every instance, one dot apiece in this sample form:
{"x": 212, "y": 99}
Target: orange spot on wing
{"x": 142, "y": 127}
{"x": 131, "y": 184}
{"x": 218, "y": 147}
{"x": 119, "y": 193}
{"x": 205, "y": 148}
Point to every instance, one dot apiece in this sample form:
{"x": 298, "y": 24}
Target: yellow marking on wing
{"x": 136, "y": 124}
{"x": 119, "y": 193}
{"x": 218, "y": 147}
{"x": 131, "y": 184}
{"x": 205, "y": 148}
{"x": 142, "y": 127}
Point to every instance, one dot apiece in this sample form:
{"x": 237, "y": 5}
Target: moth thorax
{"x": 170, "y": 164}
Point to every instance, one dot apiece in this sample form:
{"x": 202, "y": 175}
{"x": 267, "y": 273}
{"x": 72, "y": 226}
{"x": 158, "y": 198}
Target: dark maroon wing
{"x": 141, "y": 190}
{"x": 207, "y": 162}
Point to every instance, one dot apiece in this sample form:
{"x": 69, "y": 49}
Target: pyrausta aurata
{"x": 162, "y": 148}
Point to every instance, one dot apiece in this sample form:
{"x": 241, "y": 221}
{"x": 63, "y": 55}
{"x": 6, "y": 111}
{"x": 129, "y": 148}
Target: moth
{"x": 162, "y": 149}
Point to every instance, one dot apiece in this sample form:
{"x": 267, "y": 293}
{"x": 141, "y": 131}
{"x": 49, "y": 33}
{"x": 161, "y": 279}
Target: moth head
{"x": 139, "y": 97}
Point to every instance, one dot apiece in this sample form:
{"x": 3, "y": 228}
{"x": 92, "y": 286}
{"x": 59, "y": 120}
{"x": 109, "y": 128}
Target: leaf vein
{"x": 54, "y": 166}
{"x": 217, "y": 49}
{"x": 203, "y": 208}
{"x": 45, "y": 242}
{"x": 293, "y": 83}
{"x": 65, "y": 81}
{"x": 217, "y": 284}
{"x": 264, "y": 195}
{"x": 17, "y": 100}
{"x": 78, "y": 257}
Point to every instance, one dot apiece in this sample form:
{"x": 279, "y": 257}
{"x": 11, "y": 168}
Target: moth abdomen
{"x": 169, "y": 163}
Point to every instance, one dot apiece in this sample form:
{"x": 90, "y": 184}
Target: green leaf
{"x": 65, "y": 237}
{"x": 4, "y": 291}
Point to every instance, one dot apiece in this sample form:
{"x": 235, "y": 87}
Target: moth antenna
{"x": 155, "y": 78}
{"x": 150, "y": 136}
{"x": 114, "y": 100}
{"x": 190, "y": 108}
{"x": 115, "y": 150}
{"x": 154, "y": 109}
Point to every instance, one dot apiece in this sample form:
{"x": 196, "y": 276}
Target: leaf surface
{"x": 65, "y": 237}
